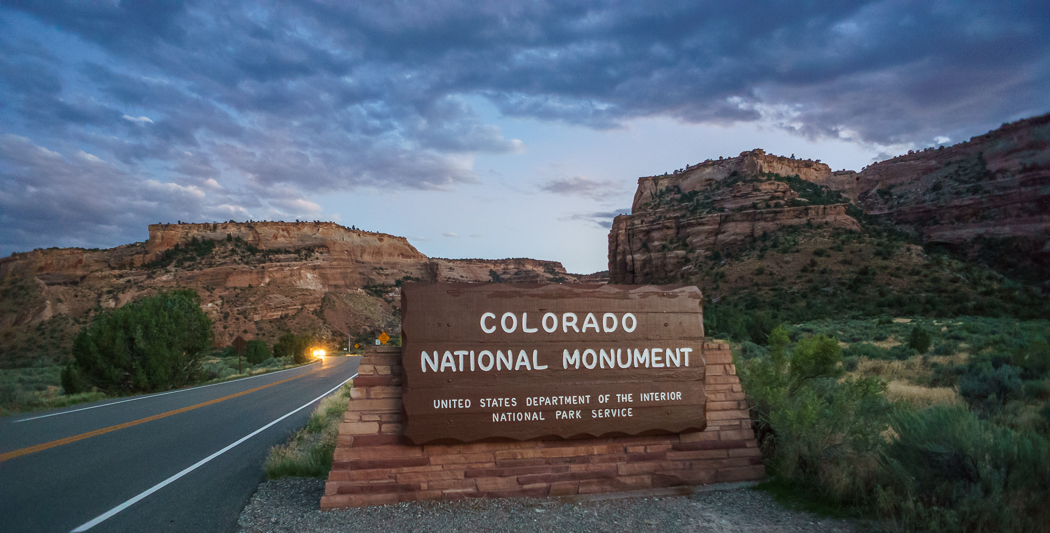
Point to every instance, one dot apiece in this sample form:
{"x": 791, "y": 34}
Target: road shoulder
{"x": 291, "y": 504}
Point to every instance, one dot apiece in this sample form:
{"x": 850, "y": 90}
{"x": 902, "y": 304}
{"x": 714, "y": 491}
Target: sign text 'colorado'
{"x": 529, "y": 361}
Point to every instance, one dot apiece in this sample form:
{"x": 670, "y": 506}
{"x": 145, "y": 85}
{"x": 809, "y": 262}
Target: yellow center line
{"x": 48, "y": 445}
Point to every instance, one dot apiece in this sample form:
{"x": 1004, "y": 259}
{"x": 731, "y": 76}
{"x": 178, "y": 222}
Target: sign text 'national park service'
{"x": 529, "y": 361}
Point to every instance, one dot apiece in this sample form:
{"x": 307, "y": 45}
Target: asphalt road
{"x": 82, "y": 476}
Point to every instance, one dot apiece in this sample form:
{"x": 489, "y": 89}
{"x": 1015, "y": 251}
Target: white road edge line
{"x": 145, "y": 396}
{"x": 109, "y": 514}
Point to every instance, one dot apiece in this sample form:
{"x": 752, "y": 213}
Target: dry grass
{"x": 309, "y": 452}
{"x": 902, "y": 377}
{"x": 887, "y": 344}
{"x": 892, "y": 370}
{"x": 922, "y": 397}
{"x": 959, "y": 358}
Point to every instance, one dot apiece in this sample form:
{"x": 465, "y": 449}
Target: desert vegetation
{"x": 154, "y": 344}
{"x": 308, "y": 453}
{"x": 932, "y": 424}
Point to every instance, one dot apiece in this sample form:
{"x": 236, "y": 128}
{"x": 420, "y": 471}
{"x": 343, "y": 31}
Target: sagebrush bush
{"x": 947, "y": 470}
{"x": 984, "y": 382}
{"x": 963, "y": 446}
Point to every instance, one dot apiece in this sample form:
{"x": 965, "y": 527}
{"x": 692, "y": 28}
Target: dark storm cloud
{"x": 273, "y": 102}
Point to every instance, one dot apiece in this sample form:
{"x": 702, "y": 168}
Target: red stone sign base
{"x": 375, "y": 465}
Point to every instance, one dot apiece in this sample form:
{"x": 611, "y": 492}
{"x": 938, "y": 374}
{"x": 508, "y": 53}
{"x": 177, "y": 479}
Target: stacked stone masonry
{"x": 375, "y": 465}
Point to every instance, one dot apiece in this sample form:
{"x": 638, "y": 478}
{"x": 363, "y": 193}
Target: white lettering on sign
{"x": 659, "y": 396}
{"x": 641, "y": 358}
{"x": 514, "y": 322}
{"x": 454, "y": 403}
{"x": 527, "y": 416}
{"x": 612, "y": 413}
{"x": 541, "y": 401}
{"x": 610, "y": 323}
{"x": 559, "y": 401}
{"x": 483, "y": 317}
{"x": 486, "y": 360}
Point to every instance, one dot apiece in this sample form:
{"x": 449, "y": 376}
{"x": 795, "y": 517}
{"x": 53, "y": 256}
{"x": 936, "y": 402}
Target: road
{"x": 70, "y": 467}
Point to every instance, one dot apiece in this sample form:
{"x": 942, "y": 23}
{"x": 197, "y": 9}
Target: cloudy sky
{"x": 498, "y": 129}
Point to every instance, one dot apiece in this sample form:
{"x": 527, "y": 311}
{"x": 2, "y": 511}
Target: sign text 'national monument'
{"x": 524, "y": 362}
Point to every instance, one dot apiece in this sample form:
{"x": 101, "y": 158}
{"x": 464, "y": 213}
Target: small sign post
{"x": 239, "y": 344}
{"x": 384, "y": 338}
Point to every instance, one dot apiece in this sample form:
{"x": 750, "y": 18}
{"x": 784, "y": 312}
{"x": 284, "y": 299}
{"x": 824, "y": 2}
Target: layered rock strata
{"x": 710, "y": 207}
{"x": 988, "y": 198}
{"x": 255, "y": 279}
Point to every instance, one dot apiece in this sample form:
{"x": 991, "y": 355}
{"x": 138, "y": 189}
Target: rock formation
{"x": 987, "y": 198}
{"x": 713, "y": 206}
{"x": 255, "y": 279}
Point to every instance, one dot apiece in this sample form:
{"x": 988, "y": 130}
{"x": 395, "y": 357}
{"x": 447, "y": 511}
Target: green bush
{"x": 901, "y": 352}
{"x": 919, "y": 340}
{"x": 295, "y": 346}
{"x": 817, "y": 432}
{"x": 950, "y": 471}
{"x": 256, "y": 351}
{"x": 1037, "y": 390}
{"x": 863, "y": 349}
{"x": 156, "y": 343}
{"x": 849, "y": 364}
{"x": 985, "y": 382}
{"x": 948, "y": 347}
{"x": 750, "y": 350}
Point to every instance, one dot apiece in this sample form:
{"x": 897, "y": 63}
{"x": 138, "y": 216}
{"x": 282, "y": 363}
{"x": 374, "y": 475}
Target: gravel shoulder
{"x": 291, "y": 504}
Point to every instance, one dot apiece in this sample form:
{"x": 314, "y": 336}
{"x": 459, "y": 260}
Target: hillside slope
{"x": 256, "y": 280}
{"x": 770, "y": 238}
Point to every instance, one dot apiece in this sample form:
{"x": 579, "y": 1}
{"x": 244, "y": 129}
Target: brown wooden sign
{"x": 529, "y": 361}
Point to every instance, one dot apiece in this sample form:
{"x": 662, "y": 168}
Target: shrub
{"x": 901, "y": 352}
{"x": 985, "y": 383}
{"x": 849, "y": 364}
{"x": 948, "y": 347}
{"x": 256, "y": 351}
{"x": 817, "y": 432}
{"x": 919, "y": 340}
{"x": 950, "y": 471}
{"x": 750, "y": 350}
{"x": 295, "y": 346}
{"x": 156, "y": 343}
{"x": 1037, "y": 390}
{"x": 863, "y": 349}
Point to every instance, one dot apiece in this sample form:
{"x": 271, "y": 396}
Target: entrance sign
{"x": 531, "y": 361}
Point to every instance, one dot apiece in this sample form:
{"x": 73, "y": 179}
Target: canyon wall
{"x": 711, "y": 207}
{"x": 987, "y": 198}
{"x": 255, "y": 279}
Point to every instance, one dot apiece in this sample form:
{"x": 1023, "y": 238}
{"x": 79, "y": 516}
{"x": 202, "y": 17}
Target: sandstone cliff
{"x": 256, "y": 280}
{"x": 679, "y": 218}
{"x": 986, "y": 199}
